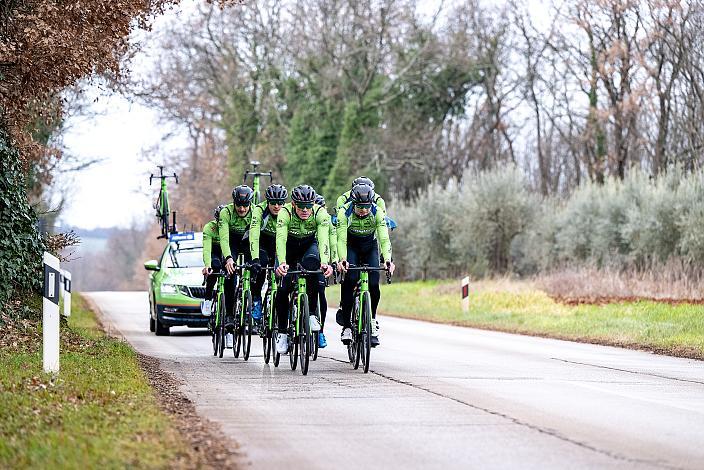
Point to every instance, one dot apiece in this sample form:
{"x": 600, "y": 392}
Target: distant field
{"x": 521, "y": 308}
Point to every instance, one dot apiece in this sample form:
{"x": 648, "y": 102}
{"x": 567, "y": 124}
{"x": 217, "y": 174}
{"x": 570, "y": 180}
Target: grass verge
{"x": 517, "y": 307}
{"x": 99, "y": 411}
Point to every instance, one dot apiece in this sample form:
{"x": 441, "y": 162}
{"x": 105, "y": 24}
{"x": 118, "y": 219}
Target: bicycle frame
{"x": 273, "y": 287}
{"x": 244, "y": 285}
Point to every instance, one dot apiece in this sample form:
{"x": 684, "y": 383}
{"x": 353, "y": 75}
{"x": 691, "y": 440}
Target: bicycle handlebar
{"x": 352, "y": 267}
{"x": 218, "y": 274}
{"x": 161, "y": 175}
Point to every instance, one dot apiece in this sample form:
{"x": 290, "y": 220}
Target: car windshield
{"x": 184, "y": 258}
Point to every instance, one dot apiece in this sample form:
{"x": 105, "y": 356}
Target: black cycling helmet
{"x": 217, "y": 210}
{"x": 303, "y": 193}
{"x": 242, "y": 195}
{"x": 320, "y": 200}
{"x": 362, "y": 194}
{"x": 276, "y": 192}
{"x": 363, "y": 180}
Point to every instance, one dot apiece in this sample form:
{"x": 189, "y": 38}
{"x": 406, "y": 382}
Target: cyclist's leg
{"x": 348, "y": 286}
{"x": 210, "y": 281}
{"x": 311, "y": 262}
{"x": 323, "y": 301}
{"x": 258, "y": 282}
{"x": 372, "y": 259}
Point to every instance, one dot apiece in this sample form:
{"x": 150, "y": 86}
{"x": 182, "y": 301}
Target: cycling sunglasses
{"x": 363, "y": 206}
{"x": 239, "y": 204}
{"x": 304, "y": 205}
{"x": 276, "y": 202}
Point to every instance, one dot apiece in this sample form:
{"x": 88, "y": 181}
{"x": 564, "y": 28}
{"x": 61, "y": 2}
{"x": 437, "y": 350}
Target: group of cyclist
{"x": 280, "y": 234}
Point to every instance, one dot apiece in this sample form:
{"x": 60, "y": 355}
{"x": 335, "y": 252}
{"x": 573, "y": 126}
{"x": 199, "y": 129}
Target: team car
{"x": 176, "y": 284}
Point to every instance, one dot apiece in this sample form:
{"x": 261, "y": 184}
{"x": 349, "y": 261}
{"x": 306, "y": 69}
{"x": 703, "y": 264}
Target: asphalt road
{"x": 438, "y": 397}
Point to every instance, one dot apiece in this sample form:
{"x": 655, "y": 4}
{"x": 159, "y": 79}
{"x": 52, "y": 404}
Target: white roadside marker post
{"x": 67, "y": 294}
{"x": 50, "y": 320}
{"x": 465, "y": 294}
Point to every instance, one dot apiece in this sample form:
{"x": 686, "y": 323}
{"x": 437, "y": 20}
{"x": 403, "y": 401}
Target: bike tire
{"x": 355, "y": 334}
{"x": 247, "y": 327}
{"x": 304, "y": 339}
{"x": 165, "y": 218}
{"x": 221, "y": 330}
{"x": 237, "y": 333}
{"x": 366, "y": 336}
{"x": 316, "y": 336}
{"x": 275, "y": 356}
{"x": 267, "y": 330}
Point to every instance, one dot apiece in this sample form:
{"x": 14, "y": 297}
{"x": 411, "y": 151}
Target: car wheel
{"x": 161, "y": 330}
{"x": 152, "y": 322}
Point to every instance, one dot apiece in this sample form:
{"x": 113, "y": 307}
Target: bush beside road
{"x": 518, "y": 307}
{"x": 100, "y": 410}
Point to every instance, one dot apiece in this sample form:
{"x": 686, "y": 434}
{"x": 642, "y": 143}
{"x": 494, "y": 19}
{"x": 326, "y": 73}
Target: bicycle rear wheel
{"x": 164, "y": 215}
{"x": 238, "y": 326}
{"x": 305, "y": 335}
{"x": 247, "y": 327}
{"x": 366, "y": 336}
{"x": 267, "y": 329}
{"x": 356, "y": 334}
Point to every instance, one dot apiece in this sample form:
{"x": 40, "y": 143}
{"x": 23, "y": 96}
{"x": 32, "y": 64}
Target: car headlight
{"x": 169, "y": 289}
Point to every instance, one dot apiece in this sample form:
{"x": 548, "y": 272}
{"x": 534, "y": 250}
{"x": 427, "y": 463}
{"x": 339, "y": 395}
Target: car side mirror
{"x": 151, "y": 265}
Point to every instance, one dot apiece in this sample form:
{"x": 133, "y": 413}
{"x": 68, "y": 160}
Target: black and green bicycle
{"x": 255, "y": 179}
{"x": 300, "y": 339}
{"x": 359, "y": 349}
{"x": 267, "y": 333}
{"x": 244, "y": 324}
{"x": 162, "y": 203}
{"x": 217, "y": 314}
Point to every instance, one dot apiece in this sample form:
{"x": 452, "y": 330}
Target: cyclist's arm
{"x": 382, "y": 234}
{"x": 207, "y": 248}
{"x": 333, "y": 243}
{"x": 381, "y": 204}
{"x": 224, "y": 231}
{"x": 323, "y": 227}
{"x": 341, "y": 201}
{"x": 255, "y": 231}
{"x": 282, "y": 221}
{"x": 342, "y": 223}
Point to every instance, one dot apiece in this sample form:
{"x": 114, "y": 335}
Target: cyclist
{"x": 302, "y": 236}
{"x": 262, "y": 241}
{"x": 233, "y": 229}
{"x": 361, "y": 225}
{"x": 212, "y": 259}
{"x": 322, "y": 342}
{"x": 347, "y": 196}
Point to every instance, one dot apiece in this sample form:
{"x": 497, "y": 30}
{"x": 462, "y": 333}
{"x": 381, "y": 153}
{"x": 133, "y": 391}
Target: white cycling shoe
{"x": 282, "y": 343}
{"x": 314, "y": 323}
{"x": 205, "y": 307}
{"x": 346, "y": 335}
{"x": 229, "y": 340}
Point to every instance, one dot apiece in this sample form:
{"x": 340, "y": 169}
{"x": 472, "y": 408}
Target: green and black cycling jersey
{"x": 290, "y": 226}
{"x": 263, "y": 224}
{"x": 231, "y": 223}
{"x": 373, "y": 225}
{"x": 211, "y": 241}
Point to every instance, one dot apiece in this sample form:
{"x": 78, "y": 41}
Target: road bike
{"x": 244, "y": 322}
{"x": 359, "y": 349}
{"x": 300, "y": 338}
{"x": 162, "y": 203}
{"x": 255, "y": 179}
{"x": 216, "y": 324}
{"x": 267, "y": 332}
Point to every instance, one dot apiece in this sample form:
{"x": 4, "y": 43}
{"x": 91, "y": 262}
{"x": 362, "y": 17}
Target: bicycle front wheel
{"x": 267, "y": 337}
{"x": 221, "y": 329}
{"x": 366, "y": 336}
{"x": 247, "y": 326}
{"x": 305, "y": 336}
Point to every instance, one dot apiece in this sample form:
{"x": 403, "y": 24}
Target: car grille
{"x": 197, "y": 292}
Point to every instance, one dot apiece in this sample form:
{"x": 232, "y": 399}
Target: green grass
{"x": 520, "y": 308}
{"x": 99, "y": 411}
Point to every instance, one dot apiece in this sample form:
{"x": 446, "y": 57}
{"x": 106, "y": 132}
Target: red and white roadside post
{"x": 50, "y": 316}
{"x": 465, "y": 294}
